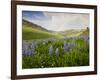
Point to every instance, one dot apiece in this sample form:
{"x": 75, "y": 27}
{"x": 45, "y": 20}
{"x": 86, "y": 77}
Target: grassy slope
{"x": 85, "y": 33}
{"x": 72, "y": 33}
{"x": 32, "y": 25}
{"x": 34, "y": 31}
{"x": 31, "y": 31}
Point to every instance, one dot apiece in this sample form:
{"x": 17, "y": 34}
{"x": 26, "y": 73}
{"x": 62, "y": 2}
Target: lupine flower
{"x": 32, "y": 47}
{"x": 26, "y": 52}
{"x": 29, "y": 52}
{"x": 72, "y": 45}
{"x": 65, "y": 46}
{"x": 50, "y": 50}
{"x": 57, "y": 51}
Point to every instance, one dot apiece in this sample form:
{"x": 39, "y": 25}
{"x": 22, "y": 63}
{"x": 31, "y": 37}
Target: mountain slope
{"x": 32, "y": 31}
{"x": 71, "y": 32}
{"x": 33, "y": 25}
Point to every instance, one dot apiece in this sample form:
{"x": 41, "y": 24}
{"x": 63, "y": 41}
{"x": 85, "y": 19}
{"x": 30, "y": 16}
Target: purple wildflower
{"x": 26, "y": 52}
{"x": 65, "y": 46}
{"x": 29, "y": 52}
{"x": 72, "y": 45}
{"x": 50, "y": 50}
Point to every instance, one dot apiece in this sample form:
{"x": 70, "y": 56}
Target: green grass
{"x": 30, "y": 33}
{"x": 78, "y": 56}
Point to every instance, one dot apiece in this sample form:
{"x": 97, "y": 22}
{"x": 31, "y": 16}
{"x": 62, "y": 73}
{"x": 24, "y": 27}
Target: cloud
{"x": 62, "y": 21}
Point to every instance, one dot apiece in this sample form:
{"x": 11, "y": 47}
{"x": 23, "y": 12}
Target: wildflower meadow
{"x": 55, "y": 39}
{"x": 55, "y": 53}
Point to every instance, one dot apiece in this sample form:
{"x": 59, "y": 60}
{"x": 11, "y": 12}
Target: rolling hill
{"x": 33, "y": 25}
{"x": 33, "y": 31}
{"x": 72, "y": 32}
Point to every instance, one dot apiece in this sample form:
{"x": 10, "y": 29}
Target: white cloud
{"x": 63, "y": 21}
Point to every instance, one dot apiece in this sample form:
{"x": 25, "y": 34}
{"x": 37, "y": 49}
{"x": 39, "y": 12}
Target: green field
{"x": 77, "y": 56}
{"x": 31, "y": 31}
{"x": 65, "y": 52}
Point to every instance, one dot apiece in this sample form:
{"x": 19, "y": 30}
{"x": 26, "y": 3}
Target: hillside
{"x": 33, "y": 31}
{"x": 85, "y": 33}
{"x": 71, "y": 32}
{"x": 33, "y": 25}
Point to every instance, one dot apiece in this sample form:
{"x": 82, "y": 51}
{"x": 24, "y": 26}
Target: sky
{"x": 57, "y": 21}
